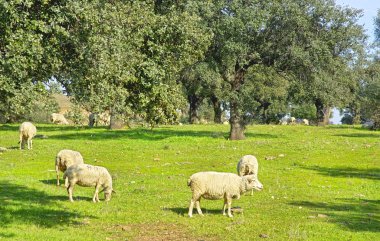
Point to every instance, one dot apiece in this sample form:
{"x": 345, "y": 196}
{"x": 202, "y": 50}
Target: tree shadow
{"x": 353, "y": 214}
{"x": 20, "y": 204}
{"x": 149, "y": 134}
{"x": 361, "y": 135}
{"x": 7, "y": 235}
{"x": 6, "y": 127}
{"x": 368, "y": 173}
{"x": 184, "y": 211}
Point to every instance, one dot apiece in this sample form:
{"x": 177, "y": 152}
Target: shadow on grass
{"x": 20, "y": 204}
{"x": 353, "y": 214}
{"x": 62, "y": 188}
{"x": 7, "y": 235}
{"x": 361, "y": 135}
{"x": 149, "y": 135}
{"x": 184, "y": 211}
{"x": 368, "y": 173}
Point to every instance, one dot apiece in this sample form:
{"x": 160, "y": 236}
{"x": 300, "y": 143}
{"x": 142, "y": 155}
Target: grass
{"x": 325, "y": 187}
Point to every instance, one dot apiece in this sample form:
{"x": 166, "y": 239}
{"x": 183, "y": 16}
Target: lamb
{"x": 89, "y": 176}
{"x": 58, "y": 119}
{"x": 248, "y": 165}
{"x": 65, "y": 159}
{"x": 27, "y": 131}
{"x": 218, "y": 185}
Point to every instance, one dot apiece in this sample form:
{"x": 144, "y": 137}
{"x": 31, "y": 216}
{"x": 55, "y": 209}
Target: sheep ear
{"x": 250, "y": 178}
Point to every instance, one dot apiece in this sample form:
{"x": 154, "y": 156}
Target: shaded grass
{"x": 330, "y": 171}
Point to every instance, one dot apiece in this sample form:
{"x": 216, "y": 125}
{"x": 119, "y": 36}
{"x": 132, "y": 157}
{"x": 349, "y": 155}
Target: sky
{"x": 369, "y": 8}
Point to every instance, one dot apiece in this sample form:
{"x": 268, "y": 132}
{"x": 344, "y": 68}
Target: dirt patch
{"x": 154, "y": 232}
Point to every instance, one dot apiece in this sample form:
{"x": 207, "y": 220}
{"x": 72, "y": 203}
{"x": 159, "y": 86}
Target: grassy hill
{"x": 320, "y": 183}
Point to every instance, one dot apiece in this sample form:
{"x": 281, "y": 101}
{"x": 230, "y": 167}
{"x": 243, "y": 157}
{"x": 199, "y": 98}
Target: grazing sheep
{"x": 305, "y": 122}
{"x": 218, "y": 185}
{"x": 248, "y": 165}
{"x": 58, "y": 119}
{"x": 65, "y": 159}
{"x": 292, "y": 121}
{"x": 27, "y": 132}
{"x": 89, "y": 176}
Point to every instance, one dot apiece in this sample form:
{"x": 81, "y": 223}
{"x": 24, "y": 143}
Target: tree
{"x": 298, "y": 38}
{"x": 371, "y": 94}
{"x": 30, "y": 53}
{"x": 200, "y": 81}
{"x": 125, "y": 57}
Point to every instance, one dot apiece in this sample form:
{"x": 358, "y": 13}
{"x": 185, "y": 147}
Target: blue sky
{"x": 369, "y": 8}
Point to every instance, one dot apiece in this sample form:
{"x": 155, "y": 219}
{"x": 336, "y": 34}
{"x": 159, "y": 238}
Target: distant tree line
{"x": 255, "y": 60}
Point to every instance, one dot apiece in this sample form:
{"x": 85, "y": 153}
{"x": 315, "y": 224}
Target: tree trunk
{"x": 116, "y": 122}
{"x": 323, "y": 113}
{"x": 265, "y": 112}
{"x": 236, "y": 122}
{"x": 237, "y": 127}
{"x": 193, "y": 110}
{"x": 217, "y": 110}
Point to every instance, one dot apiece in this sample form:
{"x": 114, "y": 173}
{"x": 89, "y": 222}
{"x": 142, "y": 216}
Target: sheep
{"x": 27, "y": 131}
{"x": 58, "y": 119}
{"x": 292, "y": 121}
{"x": 218, "y": 185}
{"x": 65, "y": 159}
{"x": 305, "y": 122}
{"x": 248, "y": 165}
{"x": 89, "y": 176}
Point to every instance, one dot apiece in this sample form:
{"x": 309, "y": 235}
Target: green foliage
{"x": 26, "y": 101}
{"x": 75, "y": 114}
{"x": 370, "y": 93}
{"x": 317, "y": 191}
{"x": 127, "y": 58}
{"x": 306, "y": 111}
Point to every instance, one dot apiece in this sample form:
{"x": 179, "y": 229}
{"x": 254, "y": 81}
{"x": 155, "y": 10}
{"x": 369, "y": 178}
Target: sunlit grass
{"x": 325, "y": 187}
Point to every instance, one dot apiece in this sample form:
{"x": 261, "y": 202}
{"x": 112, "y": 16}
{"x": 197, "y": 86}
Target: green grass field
{"x": 324, "y": 186}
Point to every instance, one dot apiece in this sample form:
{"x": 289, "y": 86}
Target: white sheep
{"x": 305, "y": 122}
{"x": 218, "y": 185}
{"x": 65, "y": 159}
{"x": 248, "y": 165}
{"x": 292, "y": 121}
{"x": 89, "y": 176}
{"x": 58, "y": 119}
{"x": 27, "y": 131}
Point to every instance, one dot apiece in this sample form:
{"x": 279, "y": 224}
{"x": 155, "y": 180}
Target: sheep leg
{"x": 31, "y": 143}
{"x": 57, "y": 171}
{"x": 194, "y": 199}
{"x": 96, "y": 194}
{"x": 224, "y": 206}
{"x": 70, "y": 192}
{"x": 197, "y": 204}
{"x": 229, "y": 202}
{"x": 20, "y": 142}
{"x": 191, "y": 208}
